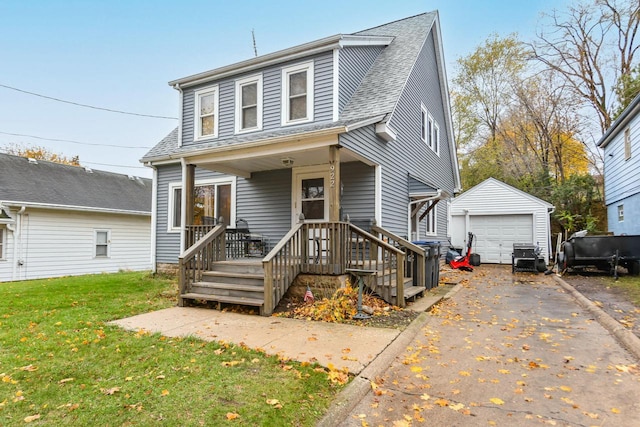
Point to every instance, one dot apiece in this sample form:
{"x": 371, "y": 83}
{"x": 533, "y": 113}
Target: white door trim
{"x": 307, "y": 172}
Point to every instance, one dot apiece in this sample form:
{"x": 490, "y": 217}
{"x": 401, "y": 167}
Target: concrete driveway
{"x": 506, "y": 350}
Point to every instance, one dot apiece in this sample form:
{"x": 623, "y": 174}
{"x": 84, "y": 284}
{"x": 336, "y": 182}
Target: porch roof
{"x": 169, "y": 147}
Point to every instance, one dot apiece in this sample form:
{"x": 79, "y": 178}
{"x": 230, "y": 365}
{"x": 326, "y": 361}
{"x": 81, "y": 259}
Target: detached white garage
{"x": 500, "y": 215}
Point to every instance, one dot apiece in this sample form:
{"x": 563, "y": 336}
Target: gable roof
{"x": 374, "y": 100}
{"x": 492, "y": 181}
{"x": 54, "y": 185}
{"x": 625, "y": 117}
{"x": 381, "y": 88}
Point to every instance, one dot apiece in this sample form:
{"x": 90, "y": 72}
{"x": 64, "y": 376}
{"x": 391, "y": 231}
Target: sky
{"x": 120, "y": 54}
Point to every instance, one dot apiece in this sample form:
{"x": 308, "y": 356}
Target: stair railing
{"x": 415, "y": 255}
{"x": 199, "y": 258}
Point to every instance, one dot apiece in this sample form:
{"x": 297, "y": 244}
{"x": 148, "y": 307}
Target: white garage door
{"x": 496, "y": 234}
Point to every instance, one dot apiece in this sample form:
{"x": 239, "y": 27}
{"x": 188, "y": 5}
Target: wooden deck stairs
{"x": 241, "y": 282}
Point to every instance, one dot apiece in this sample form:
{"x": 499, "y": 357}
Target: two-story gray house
{"x": 621, "y": 144}
{"x": 352, "y": 126}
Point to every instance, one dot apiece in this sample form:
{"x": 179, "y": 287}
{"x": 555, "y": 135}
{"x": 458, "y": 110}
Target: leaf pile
{"x": 339, "y": 308}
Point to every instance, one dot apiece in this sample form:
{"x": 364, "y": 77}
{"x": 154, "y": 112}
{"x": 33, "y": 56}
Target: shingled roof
{"x": 376, "y": 96}
{"x": 63, "y": 186}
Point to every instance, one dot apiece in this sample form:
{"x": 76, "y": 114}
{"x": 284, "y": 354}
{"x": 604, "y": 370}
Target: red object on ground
{"x": 462, "y": 262}
{"x": 308, "y": 296}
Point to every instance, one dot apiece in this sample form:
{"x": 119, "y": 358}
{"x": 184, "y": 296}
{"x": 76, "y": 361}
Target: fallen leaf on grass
{"x": 232, "y": 415}
{"x": 274, "y": 403}
{"x": 29, "y": 368}
{"x": 65, "y": 380}
{"x": 165, "y": 392}
{"x": 110, "y": 391}
{"x": 31, "y": 418}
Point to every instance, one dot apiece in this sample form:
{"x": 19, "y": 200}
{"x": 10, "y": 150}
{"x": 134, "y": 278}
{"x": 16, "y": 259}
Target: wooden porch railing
{"x": 414, "y": 255}
{"x": 331, "y": 248}
{"x": 200, "y": 255}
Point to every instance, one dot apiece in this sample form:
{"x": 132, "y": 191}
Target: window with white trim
{"x": 423, "y": 122}
{"x": 2, "y": 240}
{"x": 627, "y": 143}
{"x": 102, "y": 243}
{"x": 436, "y": 138}
{"x": 249, "y": 104}
{"x": 206, "y": 113}
{"x": 620, "y": 213}
{"x": 430, "y": 220}
{"x": 212, "y": 200}
{"x": 297, "y": 94}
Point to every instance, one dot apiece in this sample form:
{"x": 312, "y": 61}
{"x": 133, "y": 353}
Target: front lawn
{"x": 61, "y": 364}
{"x": 630, "y": 285}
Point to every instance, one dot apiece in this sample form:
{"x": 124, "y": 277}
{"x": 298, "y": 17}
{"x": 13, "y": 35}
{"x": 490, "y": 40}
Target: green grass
{"x": 59, "y": 360}
{"x": 630, "y": 285}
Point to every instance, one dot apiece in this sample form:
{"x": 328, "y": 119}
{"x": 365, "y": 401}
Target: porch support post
{"x": 188, "y": 191}
{"x": 334, "y": 183}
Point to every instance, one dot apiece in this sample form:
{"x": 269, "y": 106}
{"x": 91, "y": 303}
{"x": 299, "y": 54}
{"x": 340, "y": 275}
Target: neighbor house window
{"x": 102, "y": 243}
{"x": 423, "y": 123}
{"x": 249, "y": 104}
{"x": 627, "y": 144}
{"x": 206, "y": 113}
{"x": 431, "y": 220}
{"x": 212, "y": 200}
{"x": 620, "y": 213}
{"x": 297, "y": 94}
{"x": 2, "y": 241}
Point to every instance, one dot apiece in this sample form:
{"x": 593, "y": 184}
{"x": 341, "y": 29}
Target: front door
{"x": 310, "y": 196}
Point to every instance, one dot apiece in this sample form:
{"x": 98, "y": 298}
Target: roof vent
{"x": 131, "y": 177}
{"x": 33, "y": 161}
{"x": 87, "y": 169}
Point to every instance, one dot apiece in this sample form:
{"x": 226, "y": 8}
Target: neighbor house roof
{"x": 53, "y": 185}
{"x": 629, "y": 113}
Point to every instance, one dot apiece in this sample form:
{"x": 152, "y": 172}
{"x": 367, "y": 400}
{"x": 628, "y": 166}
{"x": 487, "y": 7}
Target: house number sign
{"x": 332, "y": 175}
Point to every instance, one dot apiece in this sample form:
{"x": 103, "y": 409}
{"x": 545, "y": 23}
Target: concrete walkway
{"x": 344, "y": 346}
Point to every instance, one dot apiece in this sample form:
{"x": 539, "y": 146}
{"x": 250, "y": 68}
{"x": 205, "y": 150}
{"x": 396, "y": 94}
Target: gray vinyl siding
{"x": 409, "y": 154}
{"x": 167, "y": 244}
{"x": 264, "y": 201}
{"x": 359, "y": 187}
{"x": 354, "y": 63}
{"x": 272, "y": 99}
{"x": 417, "y": 187}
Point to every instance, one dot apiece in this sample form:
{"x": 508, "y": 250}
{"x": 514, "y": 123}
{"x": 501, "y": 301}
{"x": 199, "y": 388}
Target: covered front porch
{"x": 296, "y": 207}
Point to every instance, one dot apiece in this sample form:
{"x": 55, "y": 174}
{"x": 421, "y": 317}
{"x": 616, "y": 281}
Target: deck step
{"x": 257, "y": 302}
{"x": 235, "y": 278}
{"x": 411, "y": 292}
{"x": 238, "y": 266}
{"x": 228, "y": 289}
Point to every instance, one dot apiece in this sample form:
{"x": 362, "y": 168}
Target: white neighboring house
{"x": 500, "y": 215}
{"x": 60, "y": 220}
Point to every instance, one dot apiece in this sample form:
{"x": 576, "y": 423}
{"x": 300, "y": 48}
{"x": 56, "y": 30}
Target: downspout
{"x": 467, "y": 226}
{"x": 551, "y": 248}
{"x": 17, "y": 237}
{"x": 154, "y": 218}
{"x": 181, "y": 101}
{"x": 426, "y": 199}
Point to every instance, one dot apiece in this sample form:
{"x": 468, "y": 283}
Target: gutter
{"x": 74, "y": 208}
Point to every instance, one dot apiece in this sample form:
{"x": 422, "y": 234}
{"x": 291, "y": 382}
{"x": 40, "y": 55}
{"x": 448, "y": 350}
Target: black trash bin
{"x": 432, "y": 262}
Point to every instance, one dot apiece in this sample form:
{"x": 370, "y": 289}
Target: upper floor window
{"x": 206, "y": 114}
{"x": 249, "y": 104}
{"x": 297, "y": 94}
{"x": 102, "y": 243}
{"x": 423, "y": 122}
{"x": 627, "y": 144}
{"x": 620, "y": 213}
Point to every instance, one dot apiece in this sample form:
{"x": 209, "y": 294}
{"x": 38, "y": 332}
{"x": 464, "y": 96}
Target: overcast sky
{"x": 120, "y": 54}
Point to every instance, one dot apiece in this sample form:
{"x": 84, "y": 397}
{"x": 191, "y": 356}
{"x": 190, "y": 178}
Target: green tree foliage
{"x": 577, "y": 201}
{"x": 40, "y": 153}
{"x": 628, "y": 87}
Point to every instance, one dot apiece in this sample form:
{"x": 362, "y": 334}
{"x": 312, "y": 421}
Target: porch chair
{"x": 248, "y": 244}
